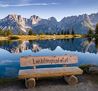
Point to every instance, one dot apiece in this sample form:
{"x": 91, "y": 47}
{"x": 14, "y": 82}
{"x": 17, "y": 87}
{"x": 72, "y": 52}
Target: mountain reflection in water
{"x": 10, "y": 52}
{"x": 81, "y": 45}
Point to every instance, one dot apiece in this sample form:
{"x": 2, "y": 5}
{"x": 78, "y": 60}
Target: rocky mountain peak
{"x": 52, "y": 19}
{"x": 87, "y": 22}
{"x": 35, "y": 19}
{"x": 16, "y": 18}
{"x": 17, "y": 22}
{"x": 12, "y": 16}
{"x": 80, "y": 24}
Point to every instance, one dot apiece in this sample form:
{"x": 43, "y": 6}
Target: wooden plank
{"x": 46, "y": 60}
{"x": 49, "y": 72}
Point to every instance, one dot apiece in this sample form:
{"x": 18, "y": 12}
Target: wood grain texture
{"x": 49, "y": 72}
{"x": 47, "y": 60}
{"x": 30, "y": 83}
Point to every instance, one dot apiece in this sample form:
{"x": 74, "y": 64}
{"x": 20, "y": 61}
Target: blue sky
{"x": 47, "y": 8}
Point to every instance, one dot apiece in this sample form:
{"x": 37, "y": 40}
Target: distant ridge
{"x": 80, "y": 24}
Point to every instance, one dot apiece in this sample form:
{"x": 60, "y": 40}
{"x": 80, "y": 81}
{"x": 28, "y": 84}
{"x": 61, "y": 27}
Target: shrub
{"x": 85, "y": 68}
{"x": 13, "y": 37}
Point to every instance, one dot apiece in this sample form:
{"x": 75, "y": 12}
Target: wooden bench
{"x": 31, "y": 74}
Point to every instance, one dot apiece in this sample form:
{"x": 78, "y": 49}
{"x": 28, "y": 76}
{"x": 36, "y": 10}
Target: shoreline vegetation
{"x": 46, "y": 37}
{"x": 8, "y": 35}
{"x": 39, "y": 37}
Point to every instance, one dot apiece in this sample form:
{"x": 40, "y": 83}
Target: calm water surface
{"x": 10, "y": 52}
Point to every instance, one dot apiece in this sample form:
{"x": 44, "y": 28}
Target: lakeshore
{"x": 40, "y": 37}
{"x": 87, "y": 83}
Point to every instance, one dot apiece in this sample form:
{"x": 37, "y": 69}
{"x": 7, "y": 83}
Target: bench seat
{"x": 49, "y": 72}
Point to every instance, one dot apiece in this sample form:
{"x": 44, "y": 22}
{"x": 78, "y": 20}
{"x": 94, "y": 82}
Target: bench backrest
{"x": 47, "y": 60}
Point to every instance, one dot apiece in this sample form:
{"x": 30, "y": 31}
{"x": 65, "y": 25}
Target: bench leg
{"x": 30, "y": 83}
{"x": 71, "y": 80}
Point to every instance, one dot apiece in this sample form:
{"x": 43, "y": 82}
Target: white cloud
{"x": 22, "y": 5}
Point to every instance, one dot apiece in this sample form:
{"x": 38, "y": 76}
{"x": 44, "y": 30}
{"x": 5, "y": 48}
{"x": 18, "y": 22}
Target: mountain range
{"x": 18, "y": 24}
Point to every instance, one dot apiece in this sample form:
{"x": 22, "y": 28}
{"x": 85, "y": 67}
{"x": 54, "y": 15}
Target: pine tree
{"x": 7, "y": 32}
{"x": 65, "y": 32}
{"x": 68, "y": 32}
{"x": 96, "y": 30}
{"x": 96, "y": 43}
{"x": 62, "y": 32}
{"x": 73, "y": 31}
{"x": 30, "y": 32}
{"x": 1, "y": 32}
{"x": 90, "y": 32}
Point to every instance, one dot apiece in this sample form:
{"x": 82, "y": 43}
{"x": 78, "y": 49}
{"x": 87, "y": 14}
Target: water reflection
{"x": 90, "y": 45}
{"x": 96, "y": 43}
{"x": 10, "y": 52}
{"x": 36, "y": 48}
{"x": 81, "y": 45}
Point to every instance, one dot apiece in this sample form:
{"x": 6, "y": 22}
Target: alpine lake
{"x": 10, "y": 52}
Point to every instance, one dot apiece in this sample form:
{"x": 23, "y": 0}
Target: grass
{"x": 39, "y": 37}
{"x": 92, "y": 35}
{"x": 3, "y": 38}
{"x": 13, "y": 37}
{"x": 4, "y": 81}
